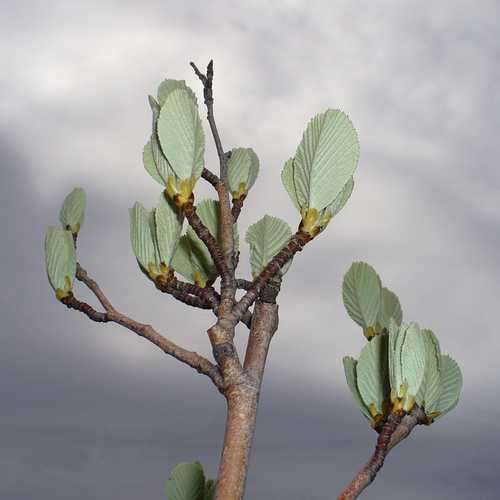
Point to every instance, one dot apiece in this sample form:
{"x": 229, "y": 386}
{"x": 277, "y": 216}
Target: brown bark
{"x": 368, "y": 473}
{"x": 242, "y": 404}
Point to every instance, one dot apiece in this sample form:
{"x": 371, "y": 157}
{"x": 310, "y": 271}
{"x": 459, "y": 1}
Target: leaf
{"x": 167, "y": 86}
{"x": 242, "y": 171}
{"x": 361, "y": 290}
{"x": 210, "y": 486}
{"x": 326, "y": 159}
{"x": 407, "y": 362}
{"x": 350, "y": 376}
{"x": 431, "y": 388}
{"x": 389, "y": 308}
{"x": 287, "y": 180}
{"x": 142, "y": 238}
{"x": 181, "y": 261}
{"x": 341, "y": 199}
{"x": 72, "y": 212}
{"x": 150, "y": 164}
{"x": 372, "y": 374}
{"x": 187, "y": 482}
{"x": 266, "y": 238}
{"x": 413, "y": 357}
{"x": 181, "y": 134}
{"x": 168, "y": 221}
{"x": 60, "y": 260}
{"x": 451, "y": 385}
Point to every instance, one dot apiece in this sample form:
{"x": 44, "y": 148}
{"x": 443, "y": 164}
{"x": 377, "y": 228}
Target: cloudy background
{"x": 91, "y": 411}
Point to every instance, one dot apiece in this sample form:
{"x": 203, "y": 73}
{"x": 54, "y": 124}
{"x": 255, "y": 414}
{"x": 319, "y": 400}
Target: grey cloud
{"x": 91, "y": 410}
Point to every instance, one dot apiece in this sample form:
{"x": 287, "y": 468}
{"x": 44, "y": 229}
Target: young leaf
{"x": 187, "y": 482}
{"x": 326, "y": 159}
{"x": 361, "y": 290}
{"x": 242, "y": 171}
{"x": 182, "y": 262}
{"x": 150, "y": 164}
{"x": 451, "y": 385}
{"x": 266, "y": 238}
{"x": 407, "y": 362}
{"x": 287, "y": 180}
{"x": 181, "y": 134}
{"x": 350, "y": 376}
{"x": 168, "y": 222}
{"x": 72, "y": 212}
{"x": 389, "y": 308}
{"x": 60, "y": 260}
{"x": 430, "y": 389}
{"x": 341, "y": 199}
{"x": 372, "y": 375}
{"x": 143, "y": 239}
{"x": 167, "y": 86}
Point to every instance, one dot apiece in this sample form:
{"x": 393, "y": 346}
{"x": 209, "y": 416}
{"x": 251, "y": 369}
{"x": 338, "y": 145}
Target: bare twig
{"x": 243, "y": 283}
{"x": 296, "y": 243}
{"x": 210, "y": 177}
{"x": 190, "y": 358}
{"x": 210, "y": 242}
{"x": 368, "y": 473}
{"x": 236, "y": 208}
{"x": 228, "y": 287}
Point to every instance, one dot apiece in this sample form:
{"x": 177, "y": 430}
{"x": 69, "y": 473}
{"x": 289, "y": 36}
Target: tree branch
{"x": 296, "y": 244}
{"x": 210, "y": 177}
{"x": 368, "y": 473}
{"x": 236, "y": 208}
{"x": 207, "y": 238}
{"x": 190, "y": 358}
{"x": 228, "y": 287}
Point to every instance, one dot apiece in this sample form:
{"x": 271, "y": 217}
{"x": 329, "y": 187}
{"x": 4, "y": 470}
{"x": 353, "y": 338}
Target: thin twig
{"x": 228, "y": 287}
{"x": 296, "y": 243}
{"x": 190, "y": 358}
{"x": 236, "y": 208}
{"x": 243, "y": 283}
{"x": 368, "y": 473}
{"x": 210, "y": 177}
{"x": 210, "y": 242}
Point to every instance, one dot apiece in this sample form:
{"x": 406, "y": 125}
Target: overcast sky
{"x": 91, "y": 411}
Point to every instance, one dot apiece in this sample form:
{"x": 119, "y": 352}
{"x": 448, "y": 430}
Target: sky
{"x": 91, "y": 411}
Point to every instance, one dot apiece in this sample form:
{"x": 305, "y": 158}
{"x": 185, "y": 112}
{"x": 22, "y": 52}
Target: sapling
{"x": 400, "y": 378}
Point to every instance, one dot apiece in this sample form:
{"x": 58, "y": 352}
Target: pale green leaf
{"x": 266, "y": 238}
{"x": 361, "y": 290}
{"x": 167, "y": 86}
{"x": 60, "y": 260}
{"x": 350, "y": 376}
{"x": 394, "y": 367}
{"x": 451, "y": 385}
{"x": 181, "y": 261}
{"x": 242, "y": 171}
{"x": 163, "y": 167}
{"x": 389, "y": 308}
{"x": 372, "y": 374}
{"x": 72, "y": 212}
{"x": 180, "y": 133}
{"x": 150, "y": 164}
{"x": 339, "y": 202}
{"x": 430, "y": 389}
{"x": 413, "y": 358}
{"x": 142, "y": 237}
{"x": 326, "y": 159}
{"x": 168, "y": 220}
{"x": 288, "y": 183}
{"x": 187, "y": 482}
{"x": 407, "y": 361}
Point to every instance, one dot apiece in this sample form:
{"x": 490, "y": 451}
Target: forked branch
{"x": 190, "y": 358}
